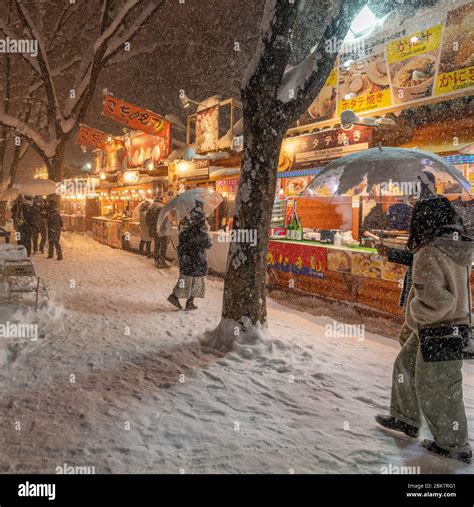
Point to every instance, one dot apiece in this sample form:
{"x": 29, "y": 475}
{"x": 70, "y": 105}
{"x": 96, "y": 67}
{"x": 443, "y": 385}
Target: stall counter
{"x": 107, "y": 231}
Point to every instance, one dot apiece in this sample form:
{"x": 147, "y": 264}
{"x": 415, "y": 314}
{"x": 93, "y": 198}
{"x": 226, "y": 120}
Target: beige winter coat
{"x": 439, "y": 294}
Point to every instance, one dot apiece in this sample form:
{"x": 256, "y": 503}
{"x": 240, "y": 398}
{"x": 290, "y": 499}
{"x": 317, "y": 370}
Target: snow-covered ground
{"x": 117, "y": 381}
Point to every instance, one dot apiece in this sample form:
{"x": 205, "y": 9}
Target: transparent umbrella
{"x": 388, "y": 171}
{"x": 173, "y": 213}
{"x": 143, "y": 205}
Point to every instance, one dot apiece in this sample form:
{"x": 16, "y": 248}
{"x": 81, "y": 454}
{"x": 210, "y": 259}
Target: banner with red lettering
{"x": 136, "y": 118}
{"x": 298, "y": 259}
{"x": 91, "y": 138}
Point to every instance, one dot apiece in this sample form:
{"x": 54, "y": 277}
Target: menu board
{"x": 366, "y": 264}
{"x": 339, "y": 260}
{"x": 324, "y": 105}
{"x": 431, "y": 56}
{"x": 413, "y": 61}
{"x": 207, "y": 130}
{"x": 144, "y": 148}
{"x": 456, "y": 66}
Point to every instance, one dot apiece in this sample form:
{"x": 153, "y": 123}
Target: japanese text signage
{"x": 430, "y": 56}
{"x": 89, "y": 137}
{"x": 135, "y": 117}
{"x": 309, "y": 150}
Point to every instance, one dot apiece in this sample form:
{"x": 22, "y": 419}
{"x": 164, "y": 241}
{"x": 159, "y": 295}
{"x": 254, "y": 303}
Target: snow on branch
{"x": 33, "y": 137}
{"x": 43, "y": 63}
{"x": 118, "y": 42}
{"x": 104, "y": 47}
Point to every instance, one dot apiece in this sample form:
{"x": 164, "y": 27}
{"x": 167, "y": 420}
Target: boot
{"x": 190, "y": 305}
{"x": 392, "y": 423}
{"x": 432, "y": 446}
{"x": 60, "y": 257}
{"x": 174, "y": 301}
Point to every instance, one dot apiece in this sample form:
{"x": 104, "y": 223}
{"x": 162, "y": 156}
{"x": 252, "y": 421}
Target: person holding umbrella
{"x": 194, "y": 240}
{"x": 439, "y": 299}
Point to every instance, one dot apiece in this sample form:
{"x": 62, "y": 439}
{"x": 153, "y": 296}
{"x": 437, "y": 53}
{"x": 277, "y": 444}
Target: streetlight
{"x": 349, "y": 118}
{"x": 186, "y": 101}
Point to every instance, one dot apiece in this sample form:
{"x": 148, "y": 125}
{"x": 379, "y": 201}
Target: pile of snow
{"x": 118, "y": 380}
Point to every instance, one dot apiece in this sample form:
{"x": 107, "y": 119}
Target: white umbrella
{"x": 9, "y": 194}
{"x": 38, "y": 187}
{"x": 145, "y": 204}
{"x": 182, "y": 206}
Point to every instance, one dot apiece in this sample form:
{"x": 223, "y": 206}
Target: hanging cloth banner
{"x": 91, "y": 138}
{"x": 136, "y": 118}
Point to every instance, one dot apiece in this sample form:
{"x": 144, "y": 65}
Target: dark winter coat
{"x": 194, "y": 240}
{"x": 152, "y": 217}
{"x": 38, "y": 222}
{"x": 55, "y": 224}
{"x": 406, "y": 258}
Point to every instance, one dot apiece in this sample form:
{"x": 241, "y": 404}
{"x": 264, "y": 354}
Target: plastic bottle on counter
{"x": 337, "y": 239}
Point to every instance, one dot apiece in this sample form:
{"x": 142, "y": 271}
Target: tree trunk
{"x": 14, "y": 165}
{"x": 55, "y": 164}
{"x": 244, "y": 303}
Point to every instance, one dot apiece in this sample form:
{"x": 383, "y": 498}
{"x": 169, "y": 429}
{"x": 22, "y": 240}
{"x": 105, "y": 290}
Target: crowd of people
{"x": 37, "y": 221}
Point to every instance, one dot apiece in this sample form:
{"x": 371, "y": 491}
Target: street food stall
{"x": 409, "y": 76}
{"x": 131, "y": 168}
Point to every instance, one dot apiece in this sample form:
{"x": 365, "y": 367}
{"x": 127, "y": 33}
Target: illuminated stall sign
{"x": 306, "y": 151}
{"x": 136, "y": 118}
{"x": 194, "y": 170}
{"x": 144, "y": 149}
{"x": 89, "y": 137}
{"x": 207, "y": 130}
{"x": 429, "y": 57}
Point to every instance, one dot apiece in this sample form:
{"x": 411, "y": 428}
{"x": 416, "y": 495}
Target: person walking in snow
{"x": 194, "y": 240}
{"x": 38, "y": 219}
{"x": 439, "y": 298}
{"x": 145, "y": 238}
{"x": 160, "y": 242}
{"x": 55, "y": 225}
{"x": 22, "y": 221}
